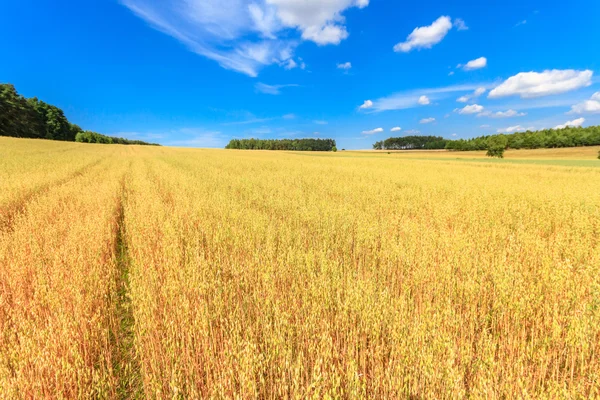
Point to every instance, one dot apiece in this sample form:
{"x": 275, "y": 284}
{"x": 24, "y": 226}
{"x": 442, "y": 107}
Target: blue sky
{"x": 200, "y": 72}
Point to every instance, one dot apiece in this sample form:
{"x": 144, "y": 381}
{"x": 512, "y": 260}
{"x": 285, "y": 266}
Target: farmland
{"x": 132, "y": 272}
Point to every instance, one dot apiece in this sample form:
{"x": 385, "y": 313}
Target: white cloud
{"x": 472, "y": 109}
{"x": 289, "y": 116}
{"x": 478, "y": 92}
{"x": 502, "y": 114}
{"x": 410, "y": 98}
{"x": 537, "y": 84}
{"x": 345, "y": 66}
{"x": 249, "y": 121}
{"x": 396, "y": 129}
{"x": 426, "y": 36}
{"x": 575, "y": 122}
{"x": 265, "y": 21}
{"x": 460, "y": 25}
{"x": 485, "y": 126}
{"x": 478, "y": 63}
{"x": 328, "y": 34}
{"x": 366, "y": 104}
{"x": 412, "y": 132}
{"x": 424, "y": 100}
{"x": 521, "y": 22}
{"x": 427, "y": 120}
{"x": 586, "y": 107}
{"x": 319, "y": 21}
{"x": 454, "y": 135}
{"x": 450, "y": 73}
{"x": 290, "y": 64}
{"x": 264, "y": 130}
{"x": 373, "y": 131}
{"x": 517, "y": 128}
{"x": 245, "y": 35}
{"x": 591, "y": 106}
{"x": 319, "y": 122}
{"x": 271, "y": 89}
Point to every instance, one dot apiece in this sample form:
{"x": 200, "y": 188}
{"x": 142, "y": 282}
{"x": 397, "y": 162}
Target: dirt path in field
{"x": 126, "y": 363}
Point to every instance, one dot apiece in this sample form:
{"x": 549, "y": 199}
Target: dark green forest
{"x": 283, "y": 144}
{"x": 547, "y": 138}
{"x": 32, "y": 118}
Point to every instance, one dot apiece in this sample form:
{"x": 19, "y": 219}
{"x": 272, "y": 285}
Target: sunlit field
{"x": 152, "y": 272}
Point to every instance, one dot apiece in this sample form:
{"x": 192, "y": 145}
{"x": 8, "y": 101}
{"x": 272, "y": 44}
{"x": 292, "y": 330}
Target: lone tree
{"x": 496, "y": 146}
{"x": 599, "y": 155}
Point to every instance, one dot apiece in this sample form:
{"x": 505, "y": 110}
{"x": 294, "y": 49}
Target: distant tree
{"x": 548, "y": 138}
{"x": 283, "y": 144}
{"x": 599, "y": 155}
{"x": 496, "y": 145}
{"x": 334, "y": 149}
{"x": 412, "y": 143}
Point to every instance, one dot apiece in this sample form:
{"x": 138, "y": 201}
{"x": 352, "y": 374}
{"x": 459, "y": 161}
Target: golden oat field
{"x": 154, "y": 272}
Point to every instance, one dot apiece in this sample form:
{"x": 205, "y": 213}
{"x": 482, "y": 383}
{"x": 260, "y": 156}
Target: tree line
{"x": 547, "y": 138}
{"x": 412, "y": 143}
{"x": 32, "y": 118}
{"x": 283, "y": 144}
{"x": 496, "y": 144}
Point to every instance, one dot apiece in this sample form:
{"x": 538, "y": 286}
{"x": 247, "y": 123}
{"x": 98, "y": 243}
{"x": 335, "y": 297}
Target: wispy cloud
{"x": 140, "y": 136}
{"x": 194, "y": 137}
{"x": 249, "y": 121}
{"x": 271, "y": 89}
{"x": 246, "y": 36}
{"x": 460, "y": 24}
{"x": 558, "y": 101}
{"x": 345, "y": 66}
{"x": 411, "y": 98}
{"x": 465, "y": 98}
{"x": 264, "y": 130}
